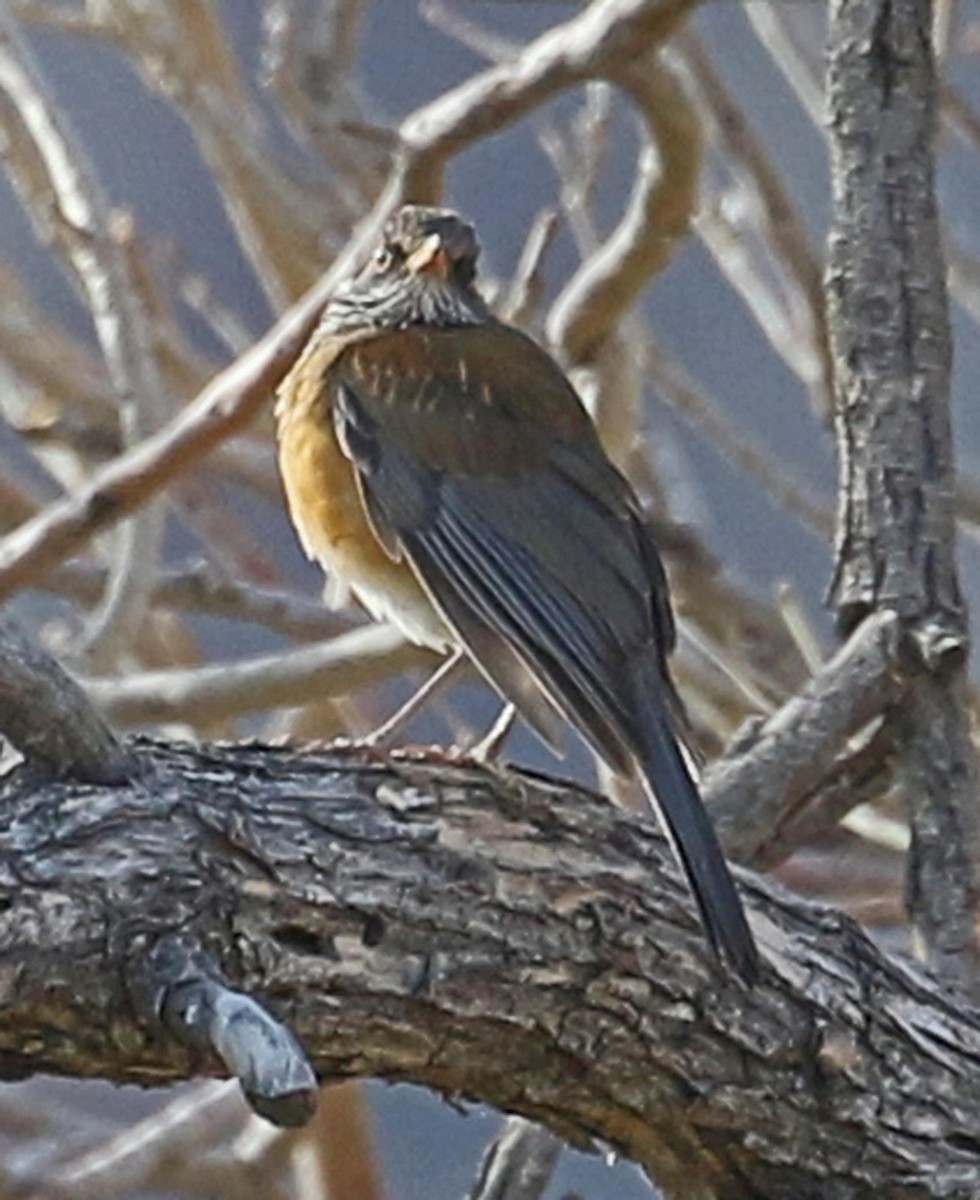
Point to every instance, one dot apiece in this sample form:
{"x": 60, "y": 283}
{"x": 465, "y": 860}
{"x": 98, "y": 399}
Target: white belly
{"x": 421, "y": 625}
{"x": 399, "y": 598}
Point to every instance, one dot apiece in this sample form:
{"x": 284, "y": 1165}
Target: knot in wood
{"x": 938, "y": 645}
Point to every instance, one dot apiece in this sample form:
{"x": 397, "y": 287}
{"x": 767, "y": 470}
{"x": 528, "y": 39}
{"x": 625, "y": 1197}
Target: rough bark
{"x": 47, "y": 716}
{"x": 890, "y": 320}
{"x": 488, "y": 934}
{"x": 890, "y": 335}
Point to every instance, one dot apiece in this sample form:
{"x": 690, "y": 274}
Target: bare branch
{"x": 800, "y": 66}
{"x": 47, "y": 717}
{"x": 523, "y": 294}
{"x": 738, "y": 448}
{"x": 139, "y": 1157}
{"x": 766, "y": 252}
{"x": 896, "y": 543}
{"x": 309, "y": 58}
{"x": 594, "y": 302}
{"x": 603, "y": 39}
{"x": 229, "y": 402}
{"x": 175, "y": 46}
{"x": 755, "y": 790}
{"x": 518, "y": 1164}
{"x": 490, "y": 935}
{"x": 203, "y": 590}
{"x": 353, "y": 660}
{"x": 62, "y": 184}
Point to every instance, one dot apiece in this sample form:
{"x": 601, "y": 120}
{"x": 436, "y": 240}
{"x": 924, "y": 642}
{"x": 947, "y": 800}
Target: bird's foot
{"x": 489, "y": 748}
{"x": 383, "y": 737}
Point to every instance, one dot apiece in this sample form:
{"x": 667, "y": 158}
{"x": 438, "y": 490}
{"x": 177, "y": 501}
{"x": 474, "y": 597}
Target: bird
{"x": 440, "y": 466}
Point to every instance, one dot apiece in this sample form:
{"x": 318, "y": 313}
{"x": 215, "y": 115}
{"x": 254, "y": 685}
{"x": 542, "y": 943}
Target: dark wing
{"x": 479, "y": 465}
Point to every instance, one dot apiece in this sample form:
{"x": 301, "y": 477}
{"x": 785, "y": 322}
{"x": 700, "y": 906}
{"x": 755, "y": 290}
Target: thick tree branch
{"x": 887, "y": 294}
{"x": 890, "y": 335}
{"x": 762, "y": 786}
{"x": 48, "y": 718}
{"x": 487, "y": 934}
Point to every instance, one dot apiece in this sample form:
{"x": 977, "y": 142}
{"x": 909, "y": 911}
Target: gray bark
{"x": 48, "y": 718}
{"x": 491, "y": 935}
{"x": 890, "y": 335}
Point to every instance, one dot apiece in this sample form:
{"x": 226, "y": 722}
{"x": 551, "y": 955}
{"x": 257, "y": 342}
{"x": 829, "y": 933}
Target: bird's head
{"x": 423, "y": 272}
{"x": 428, "y": 243}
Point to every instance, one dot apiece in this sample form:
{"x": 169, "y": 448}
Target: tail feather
{"x": 673, "y": 794}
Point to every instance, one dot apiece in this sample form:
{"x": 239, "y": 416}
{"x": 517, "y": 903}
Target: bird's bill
{"x": 430, "y": 258}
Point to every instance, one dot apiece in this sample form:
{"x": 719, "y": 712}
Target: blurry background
{"x": 224, "y": 152}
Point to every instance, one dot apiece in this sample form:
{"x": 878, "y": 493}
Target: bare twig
{"x": 310, "y": 60}
{"x": 523, "y": 294}
{"x": 708, "y": 419}
{"x": 229, "y": 402}
{"x": 200, "y": 589}
{"x": 353, "y": 660}
{"x": 197, "y": 294}
{"x": 72, "y": 19}
{"x": 141, "y": 1155}
{"x": 779, "y": 279}
{"x": 800, "y": 629}
{"x": 59, "y": 366}
{"x": 175, "y": 46}
{"x": 770, "y": 21}
{"x": 80, "y": 224}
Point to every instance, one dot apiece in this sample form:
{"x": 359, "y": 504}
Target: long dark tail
{"x": 673, "y": 793}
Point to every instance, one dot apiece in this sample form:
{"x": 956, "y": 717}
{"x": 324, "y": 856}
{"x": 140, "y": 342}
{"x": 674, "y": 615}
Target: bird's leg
{"x": 436, "y": 682}
{"x": 488, "y": 748}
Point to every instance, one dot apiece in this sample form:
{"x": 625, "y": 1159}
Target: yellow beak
{"x": 430, "y": 259}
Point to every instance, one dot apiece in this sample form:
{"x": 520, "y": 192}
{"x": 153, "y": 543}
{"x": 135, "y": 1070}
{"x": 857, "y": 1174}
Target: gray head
{"x": 435, "y": 242}
{"x": 422, "y": 273}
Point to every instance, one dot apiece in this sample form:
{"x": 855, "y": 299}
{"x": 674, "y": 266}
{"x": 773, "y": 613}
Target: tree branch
{"x": 489, "y": 934}
{"x": 760, "y": 787}
{"x": 343, "y": 664}
{"x": 48, "y": 718}
{"x": 891, "y": 341}
{"x": 605, "y": 38}
{"x": 518, "y": 1164}
{"x": 596, "y": 300}
{"x": 61, "y": 192}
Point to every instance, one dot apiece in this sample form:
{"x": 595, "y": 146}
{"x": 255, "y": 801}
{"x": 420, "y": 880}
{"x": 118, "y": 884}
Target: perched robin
{"x": 440, "y": 465}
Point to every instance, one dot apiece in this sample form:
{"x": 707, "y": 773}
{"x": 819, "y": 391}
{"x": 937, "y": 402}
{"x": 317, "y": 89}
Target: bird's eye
{"x": 383, "y": 258}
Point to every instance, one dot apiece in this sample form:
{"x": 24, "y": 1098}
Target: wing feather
{"x": 532, "y": 550}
